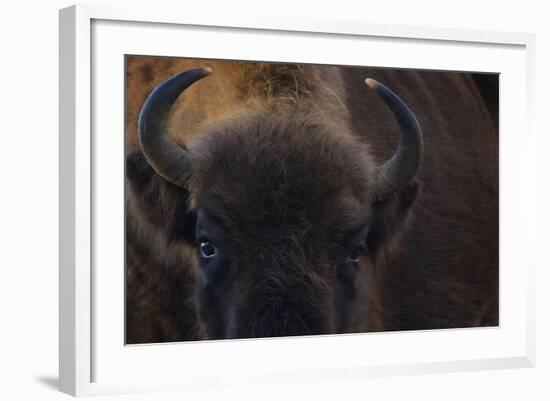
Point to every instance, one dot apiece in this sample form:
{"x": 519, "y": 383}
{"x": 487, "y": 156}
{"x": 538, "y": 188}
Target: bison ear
{"x": 138, "y": 172}
{"x": 390, "y": 221}
{"x": 157, "y": 202}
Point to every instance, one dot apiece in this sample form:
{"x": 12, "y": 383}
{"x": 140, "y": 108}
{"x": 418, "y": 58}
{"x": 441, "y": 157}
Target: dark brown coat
{"x": 291, "y": 174}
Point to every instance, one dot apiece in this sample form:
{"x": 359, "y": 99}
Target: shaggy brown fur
{"x": 283, "y": 160}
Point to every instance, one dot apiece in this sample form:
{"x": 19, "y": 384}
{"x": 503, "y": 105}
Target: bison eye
{"x": 354, "y": 256}
{"x": 207, "y": 249}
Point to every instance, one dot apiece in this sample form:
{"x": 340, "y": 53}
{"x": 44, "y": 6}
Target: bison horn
{"x": 395, "y": 173}
{"x": 169, "y": 159}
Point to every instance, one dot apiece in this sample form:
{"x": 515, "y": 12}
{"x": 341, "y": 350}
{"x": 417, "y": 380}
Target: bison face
{"x": 286, "y": 210}
{"x": 280, "y": 283}
{"x": 283, "y": 213}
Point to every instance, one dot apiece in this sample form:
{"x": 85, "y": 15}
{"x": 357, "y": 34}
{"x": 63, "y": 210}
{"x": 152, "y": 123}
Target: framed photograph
{"x": 262, "y": 200}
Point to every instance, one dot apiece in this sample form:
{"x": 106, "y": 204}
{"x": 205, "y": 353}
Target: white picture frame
{"x": 87, "y": 31}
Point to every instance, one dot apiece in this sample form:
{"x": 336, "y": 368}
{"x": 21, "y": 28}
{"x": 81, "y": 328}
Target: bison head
{"x": 283, "y": 211}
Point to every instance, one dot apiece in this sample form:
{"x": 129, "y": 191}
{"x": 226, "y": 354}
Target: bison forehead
{"x": 274, "y": 171}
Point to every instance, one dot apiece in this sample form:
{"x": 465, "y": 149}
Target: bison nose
{"x": 279, "y": 317}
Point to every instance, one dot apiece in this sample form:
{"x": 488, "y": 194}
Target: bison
{"x": 267, "y": 199}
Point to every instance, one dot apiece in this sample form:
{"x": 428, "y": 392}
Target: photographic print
{"x": 271, "y": 199}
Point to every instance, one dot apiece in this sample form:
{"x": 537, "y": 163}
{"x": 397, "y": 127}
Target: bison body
{"x": 271, "y": 222}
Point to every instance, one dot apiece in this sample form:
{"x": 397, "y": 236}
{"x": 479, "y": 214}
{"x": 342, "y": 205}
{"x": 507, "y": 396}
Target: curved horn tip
{"x": 199, "y": 72}
{"x": 372, "y": 83}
